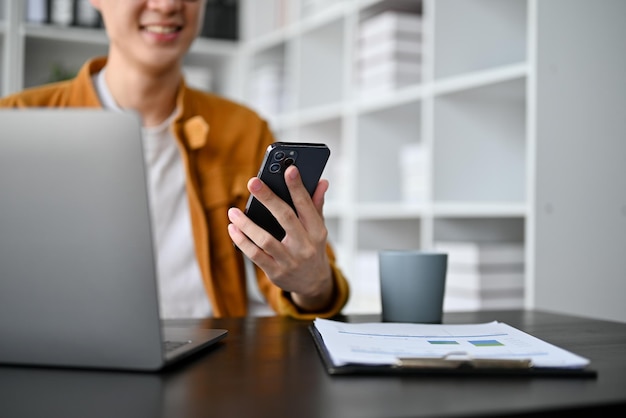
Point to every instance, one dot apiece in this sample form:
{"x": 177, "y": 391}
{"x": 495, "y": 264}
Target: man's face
{"x": 154, "y": 34}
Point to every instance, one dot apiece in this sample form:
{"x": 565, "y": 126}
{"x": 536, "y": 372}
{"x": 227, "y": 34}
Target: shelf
{"x": 390, "y": 211}
{"x": 323, "y": 17}
{"x": 310, "y": 116}
{"x": 448, "y": 85}
{"x": 479, "y": 230}
{"x": 479, "y": 79}
{"x": 382, "y": 211}
{"x": 269, "y": 40}
{"x": 381, "y": 101}
{"x": 329, "y": 131}
{"x": 65, "y": 34}
{"x": 479, "y": 210}
{"x": 399, "y": 233}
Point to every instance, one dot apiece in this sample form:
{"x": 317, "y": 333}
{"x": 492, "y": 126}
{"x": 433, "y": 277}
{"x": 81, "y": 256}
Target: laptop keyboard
{"x": 170, "y": 346}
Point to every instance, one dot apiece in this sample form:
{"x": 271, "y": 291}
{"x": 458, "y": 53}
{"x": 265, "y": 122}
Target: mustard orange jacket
{"x": 223, "y": 143}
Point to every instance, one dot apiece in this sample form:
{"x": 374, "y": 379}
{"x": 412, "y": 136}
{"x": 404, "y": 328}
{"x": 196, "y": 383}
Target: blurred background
{"x": 493, "y": 130}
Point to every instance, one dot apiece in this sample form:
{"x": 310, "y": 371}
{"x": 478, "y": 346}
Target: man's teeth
{"x": 161, "y": 29}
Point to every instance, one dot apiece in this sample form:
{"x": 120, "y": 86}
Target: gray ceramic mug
{"x": 412, "y": 285}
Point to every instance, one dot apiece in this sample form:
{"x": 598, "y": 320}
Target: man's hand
{"x": 297, "y": 264}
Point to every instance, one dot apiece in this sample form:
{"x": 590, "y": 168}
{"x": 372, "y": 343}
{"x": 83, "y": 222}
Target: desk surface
{"x": 269, "y": 367}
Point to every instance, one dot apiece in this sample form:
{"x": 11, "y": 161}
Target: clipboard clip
{"x": 462, "y": 360}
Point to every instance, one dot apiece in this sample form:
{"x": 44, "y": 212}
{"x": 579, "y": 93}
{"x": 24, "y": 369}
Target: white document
{"x": 385, "y": 343}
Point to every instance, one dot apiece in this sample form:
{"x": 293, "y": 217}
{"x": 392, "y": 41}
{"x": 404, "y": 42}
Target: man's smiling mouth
{"x": 161, "y": 29}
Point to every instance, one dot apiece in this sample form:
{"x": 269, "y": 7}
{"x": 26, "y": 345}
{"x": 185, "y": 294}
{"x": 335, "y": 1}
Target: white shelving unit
{"x": 30, "y": 52}
{"x": 468, "y": 112}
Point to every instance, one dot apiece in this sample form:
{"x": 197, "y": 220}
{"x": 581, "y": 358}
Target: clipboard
{"x": 445, "y": 366}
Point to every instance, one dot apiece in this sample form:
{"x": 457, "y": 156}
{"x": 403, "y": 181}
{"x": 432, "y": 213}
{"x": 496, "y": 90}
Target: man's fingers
{"x": 319, "y": 196}
{"x": 257, "y": 244}
{"x": 268, "y": 198}
{"x": 309, "y": 208}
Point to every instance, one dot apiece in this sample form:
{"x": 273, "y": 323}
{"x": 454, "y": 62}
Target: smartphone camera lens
{"x": 279, "y": 156}
{"x": 274, "y": 168}
{"x": 288, "y": 161}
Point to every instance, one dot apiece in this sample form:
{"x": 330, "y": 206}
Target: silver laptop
{"x": 77, "y": 270}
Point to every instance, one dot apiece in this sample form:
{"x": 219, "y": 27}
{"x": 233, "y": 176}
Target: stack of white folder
{"x": 389, "y": 53}
{"x": 484, "y": 275}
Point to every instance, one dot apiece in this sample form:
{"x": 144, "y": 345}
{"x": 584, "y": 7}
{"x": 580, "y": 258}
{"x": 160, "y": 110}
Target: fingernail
{"x": 233, "y": 213}
{"x": 293, "y": 172}
{"x": 255, "y": 185}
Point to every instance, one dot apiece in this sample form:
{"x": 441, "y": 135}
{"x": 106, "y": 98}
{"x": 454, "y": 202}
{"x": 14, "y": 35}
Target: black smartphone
{"x": 308, "y": 157}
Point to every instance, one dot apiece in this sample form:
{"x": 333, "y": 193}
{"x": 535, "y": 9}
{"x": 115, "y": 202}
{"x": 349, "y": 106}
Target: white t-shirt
{"x": 181, "y": 291}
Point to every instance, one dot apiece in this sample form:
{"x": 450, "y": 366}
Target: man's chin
{"x": 161, "y": 63}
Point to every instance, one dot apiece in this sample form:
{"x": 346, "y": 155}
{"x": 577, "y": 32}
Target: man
{"x": 202, "y": 152}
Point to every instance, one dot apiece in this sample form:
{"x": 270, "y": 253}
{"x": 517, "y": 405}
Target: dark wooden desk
{"x": 269, "y": 367}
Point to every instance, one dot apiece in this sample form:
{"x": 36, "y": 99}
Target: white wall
{"x": 580, "y": 206}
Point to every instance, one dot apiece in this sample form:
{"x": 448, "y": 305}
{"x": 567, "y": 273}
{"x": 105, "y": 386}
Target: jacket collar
{"x": 195, "y": 127}
{"x": 83, "y": 90}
